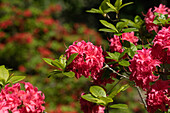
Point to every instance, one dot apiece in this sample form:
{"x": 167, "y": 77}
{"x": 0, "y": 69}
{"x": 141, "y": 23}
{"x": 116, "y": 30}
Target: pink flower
{"x": 149, "y": 18}
{"x": 89, "y": 60}
{"x": 115, "y": 45}
{"x": 89, "y": 107}
{"x": 161, "y": 9}
{"x": 161, "y": 47}
{"x": 142, "y": 67}
{"x": 20, "y": 101}
{"x": 158, "y": 96}
{"x": 130, "y": 37}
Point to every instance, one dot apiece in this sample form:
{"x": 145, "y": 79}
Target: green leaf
{"x": 15, "y": 79}
{"x": 123, "y": 53}
{"x": 90, "y": 98}
{"x": 109, "y": 25}
{"x": 106, "y": 30}
{"x": 114, "y": 56}
{"x": 124, "y": 63}
{"x": 104, "y": 100}
{"x": 138, "y": 20}
{"x": 119, "y": 106}
{"x": 125, "y": 5}
{"x": 133, "y": 47}
{"x": 103, "y": 5}
{"x": 117, "y": 4}
{"x": 71, "y": 58}
{"x": 131, "y": 23}
{"x": 109, "y": 10}
{"x": 129, "y": 30}
{"x": 111, "y": 6}
{"x": 69, "y": 74}
{"x": 94, "y": 11}
{"x": 4, "y": 74}
{"x": 139, "y": 46}
{"x": 97, "y": 91}
{"x": 121, "y": 25}
{"x": 48, "y": 61}
{"x": 122, "y": 88}
{"x": 55, "y": 73}
{"x": 58, "y": 64}
{"x": 63, "y": 60}
{"x": 131, "y": 53}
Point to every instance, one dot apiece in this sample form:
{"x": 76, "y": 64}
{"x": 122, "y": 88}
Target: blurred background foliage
{"x": 33, "y": 29}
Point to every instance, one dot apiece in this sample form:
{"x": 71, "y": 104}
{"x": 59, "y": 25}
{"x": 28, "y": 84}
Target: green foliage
{"x": 98, "y": 95}
{"x": 119, "y": 106}
{"x": 97, "y": 91}
{"x": 109, "y": 25}
{"x": 5, "y": 78}
{"x": 122, "y": 88}
{"x": 114, "y": 56}
{"x": 71, "y": 58}
{"x": 124, "y": 63}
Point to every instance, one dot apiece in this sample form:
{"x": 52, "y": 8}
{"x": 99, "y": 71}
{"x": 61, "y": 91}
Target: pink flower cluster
{"x": 20, "y": 101}
{"x": 158, "y": 96}
{"x": 116, "y": 44}
{"x": 89, "y": 107}
{"x": 149, "y": 17}
{"x": 161, "y": 47}
{"x": 142, "y": 67}
{"x": 89, "y": 60}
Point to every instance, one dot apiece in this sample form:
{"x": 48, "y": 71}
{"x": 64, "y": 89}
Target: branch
{"x": 107, "y": 66}
{"x": 141, "y": 96}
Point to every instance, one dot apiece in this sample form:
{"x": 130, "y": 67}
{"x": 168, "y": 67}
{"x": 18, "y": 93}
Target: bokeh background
{"x": 34, "y": 29}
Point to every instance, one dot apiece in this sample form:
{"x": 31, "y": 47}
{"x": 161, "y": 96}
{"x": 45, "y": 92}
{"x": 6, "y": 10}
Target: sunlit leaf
{"x": 94, "y": 11}
{"x": 126, "y": 4}
{"x": 4, "y": 74}
{"x": 71, "y": 58}
{"x": 90, "y": 98}
{"x": 109, "y": 25}
{"x": 97, "y": 91}
{"x": 119, "y": 106}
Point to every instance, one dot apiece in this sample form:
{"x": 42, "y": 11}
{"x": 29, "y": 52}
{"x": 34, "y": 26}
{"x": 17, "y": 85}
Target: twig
{"x": 106, "y": 66}
{"x": 141, "y": 96}
{"x": 114, "y": 85}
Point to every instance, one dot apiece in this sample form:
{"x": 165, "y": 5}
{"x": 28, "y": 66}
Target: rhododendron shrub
{"x": 139, "y": 63}
{"x": 16, "y": 100}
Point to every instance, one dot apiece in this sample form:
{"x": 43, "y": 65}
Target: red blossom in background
{"x": 20, "y": 101}
{"x": 158, "y": 96}
{"x": 161, "y": 47}
{"x": 22, "y": 38}
{"x": 27, "y": 13}
{"x": 6, "y": 23}
{"x": 89, "y": 107}
{"x": 89, "y": 59}
{"x": 142, "y": 67}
